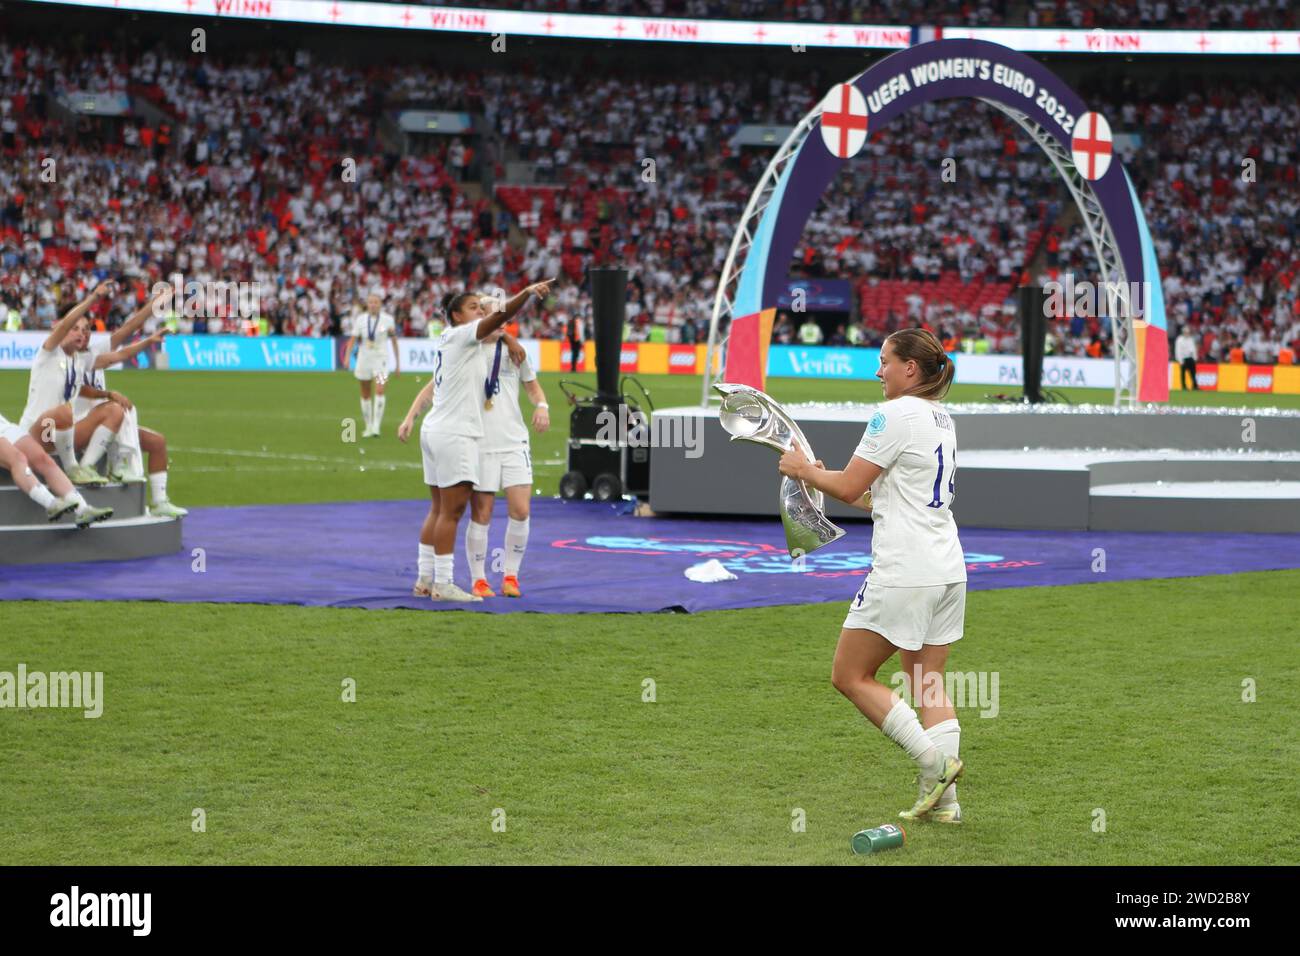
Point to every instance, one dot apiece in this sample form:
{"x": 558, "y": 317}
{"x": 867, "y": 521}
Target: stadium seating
{"x": 248, "y": 187}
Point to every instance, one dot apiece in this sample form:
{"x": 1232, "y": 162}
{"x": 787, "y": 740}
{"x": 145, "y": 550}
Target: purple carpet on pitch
{"x": 587, "y": 556}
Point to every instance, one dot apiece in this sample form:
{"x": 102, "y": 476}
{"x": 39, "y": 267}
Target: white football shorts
{"x": 371, "y": 365}
{"x": 29, "y": 420}
{"x": 83, "y": 408}
{"x": 449, "y": 459}
{"x": 504, "y": 469}
{"x": 910, "y": 617}
{"x": 9, "y": 431}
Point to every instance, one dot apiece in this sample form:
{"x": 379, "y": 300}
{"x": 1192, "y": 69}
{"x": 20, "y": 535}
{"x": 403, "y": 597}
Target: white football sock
{"x": 97, "y": 445}
{"x": 516, "y": 544}
{"x": 379, "y": 411}
{"x": 119, "y": 456}
{"x": 902, "y": 727}
{"x": 65, "y": 448}
{"x": 41, "y": 495}
{"x": 443, "y": 568}
{"x": 365, "y": 412}
{"x": 128, "y": 445}
{"x": 425, "y": 563}
{"x": 476, "y": 545}
{"x": 122, "y": 457}
{"x": 946, "y": 735}
{"x": 158, "y": 486}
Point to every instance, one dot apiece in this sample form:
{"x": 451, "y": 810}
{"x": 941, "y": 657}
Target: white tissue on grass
{"x": 709, "y": 572}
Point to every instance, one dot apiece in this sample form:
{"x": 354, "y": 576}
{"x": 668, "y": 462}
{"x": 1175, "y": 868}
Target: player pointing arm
{"x": 489, "y": 324}
{"x": 133, "y": 324}
{"x": 124, "y": 354}
{"x": 65, "y": 324}
{"x": 452, "y": 431}
{"x": 48, "y": 415}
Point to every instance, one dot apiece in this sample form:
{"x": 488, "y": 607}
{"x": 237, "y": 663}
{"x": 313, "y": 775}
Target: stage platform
{"x": 1048, "y": 467}
{"x": 587, "y": 556}
{"x": 27, "y": 536}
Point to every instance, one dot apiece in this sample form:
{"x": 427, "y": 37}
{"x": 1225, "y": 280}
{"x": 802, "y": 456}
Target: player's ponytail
{"x": 936, "y": 368}
{"x": 452, "y": 303}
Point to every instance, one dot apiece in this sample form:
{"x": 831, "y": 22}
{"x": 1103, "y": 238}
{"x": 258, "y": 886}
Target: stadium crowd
{"x": 275, "y": 173}
{"x": 1172, "y": 14}
{"x": 1223, "y": 207}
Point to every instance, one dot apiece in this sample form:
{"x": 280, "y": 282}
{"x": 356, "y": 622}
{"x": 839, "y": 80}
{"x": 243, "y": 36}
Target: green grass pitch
{"x": 244, "y": 437}
{"x": 1124, "y": 698}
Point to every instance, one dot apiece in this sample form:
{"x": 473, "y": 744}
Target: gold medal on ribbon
{"x": 488, "y": 404}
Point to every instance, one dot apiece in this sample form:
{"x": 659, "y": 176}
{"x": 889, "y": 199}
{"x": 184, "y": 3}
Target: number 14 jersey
{"x": 914, "y": 542}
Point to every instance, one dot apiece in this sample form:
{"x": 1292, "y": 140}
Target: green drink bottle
{"x": 878, "y": 838}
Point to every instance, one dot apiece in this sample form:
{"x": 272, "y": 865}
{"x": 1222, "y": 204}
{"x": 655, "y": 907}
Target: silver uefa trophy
{"x": 750, "y": 415}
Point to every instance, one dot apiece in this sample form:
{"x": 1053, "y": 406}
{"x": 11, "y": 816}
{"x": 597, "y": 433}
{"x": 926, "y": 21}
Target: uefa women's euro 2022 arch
{"x": 1077, "y": 141}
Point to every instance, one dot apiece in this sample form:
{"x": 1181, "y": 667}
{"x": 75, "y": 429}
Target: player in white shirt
{"x": 913, "y": 601}
{"x": 505, "y": 464}
{"x": 453, "y": 429}
{"x": 131, "y": 441}
{"x": 21, "y": 454}
{"x": 55, "y": 378}
{"x": 424, "y": 581}
{"x": 374, "y": 329}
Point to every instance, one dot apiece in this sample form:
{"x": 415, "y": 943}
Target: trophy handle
{"x": 800, "y": 442}
{"x": 802, "y": 507}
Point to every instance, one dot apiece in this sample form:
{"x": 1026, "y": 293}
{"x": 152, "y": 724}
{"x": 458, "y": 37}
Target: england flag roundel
{"x": 1091, "y": 146}
{"x": 844, "y": 120}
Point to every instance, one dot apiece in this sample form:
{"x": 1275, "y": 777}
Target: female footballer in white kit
{"x": 505, "y": 464}
{"x": 92, "y": 360}
{"x": 125, "y": 452}
{"x": 21, "y": 455}
{"x": 55, "y": 378}
{"x": 130, "y": 441}
{"x": 374, "y": 329}
{"x": 451, "y": 432}
{"x": 913, "y": 601}
{"x": 423, "y": 586}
